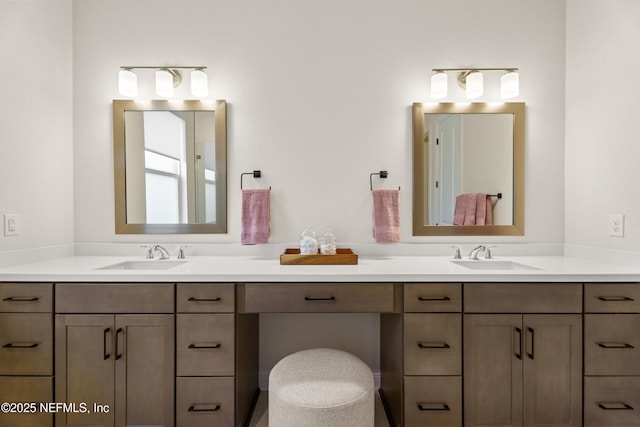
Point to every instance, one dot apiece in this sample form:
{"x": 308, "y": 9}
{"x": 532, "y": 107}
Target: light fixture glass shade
{"x": 439, "y": 85}
{"x": 475, "y": 86}
{"x": 127, "y": 83}
{"x": 510, "y": 84}
{"x": 199, "y": 84}
{"x": 164, "y": 83}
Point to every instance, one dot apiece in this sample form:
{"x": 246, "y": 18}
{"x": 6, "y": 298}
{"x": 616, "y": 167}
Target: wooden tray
{"x": 343, "y": 256}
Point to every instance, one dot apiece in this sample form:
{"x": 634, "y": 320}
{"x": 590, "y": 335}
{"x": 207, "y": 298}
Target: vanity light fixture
{"x": 472, "y": 80}
{"x": 127, "y": 83}
{"x": 167, "y": 78}
{"x": 439, "y": 85}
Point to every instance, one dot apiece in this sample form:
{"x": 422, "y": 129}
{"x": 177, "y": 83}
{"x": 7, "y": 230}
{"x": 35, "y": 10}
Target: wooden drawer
{"x": 432, "y": 297}
{"x": 317, "y": 297}
{"x": 612, "y": 401}
{"x": 115, "y": 298}
{"x": 205, "y": 298}
{"x": 26, "y": 344}
{"x": 612, "y": 298}
{"x": 26, "y": 389}
{"x": 523, "y": 298}
{"x": 205, "y": 402}
{"x": 205, "y": 344}
{"x": 432, "y": 401}
{"x": 433, "y": 344}
{"x": 612, "y": 344}
{"x": 26, "y": 297}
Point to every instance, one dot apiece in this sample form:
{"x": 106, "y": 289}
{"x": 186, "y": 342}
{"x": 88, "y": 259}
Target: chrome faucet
{"x": 488, "y": 254}
{"x": 456, "y": 255}
{"x": 164, "y": 254}
{"x": 475, "y": 251}
{"x": 181, "y": 252}
{"x": 149, "y": 252}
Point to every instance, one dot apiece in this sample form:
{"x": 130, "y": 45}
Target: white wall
{"x": 319, "y": 97}
{"x": 36, "y": 176}
{"x": 602, "y": 126}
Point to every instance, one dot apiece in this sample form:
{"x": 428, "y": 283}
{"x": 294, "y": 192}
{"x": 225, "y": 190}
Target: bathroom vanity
{"x": 554, "y": 345}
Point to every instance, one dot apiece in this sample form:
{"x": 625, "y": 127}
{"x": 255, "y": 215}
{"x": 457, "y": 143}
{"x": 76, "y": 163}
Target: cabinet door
{"x": 493, "y": 370}
{"x": 84, "y": 364}
{"x": 145, "y": 371}
{"x": 552, "y": 370}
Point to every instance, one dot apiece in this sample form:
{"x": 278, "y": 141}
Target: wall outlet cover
{"x": 616, "y": 225}
{"x": 11, "y": 222}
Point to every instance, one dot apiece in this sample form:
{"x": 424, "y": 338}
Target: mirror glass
{"x": 170, "y": 167}
{"x": 468, "y": 169}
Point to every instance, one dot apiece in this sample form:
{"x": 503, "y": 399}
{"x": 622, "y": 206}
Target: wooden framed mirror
{"x": 463, "y": 153}
{"x": 170, "y": 167}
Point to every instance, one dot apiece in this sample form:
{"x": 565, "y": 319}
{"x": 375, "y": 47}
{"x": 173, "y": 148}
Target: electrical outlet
{"x": 11, "y": 224}
{"x": 616, "y": 225}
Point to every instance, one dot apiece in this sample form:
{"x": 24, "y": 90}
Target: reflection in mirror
{"x": 468, "y": 169}
{"x": 170, "y": 167}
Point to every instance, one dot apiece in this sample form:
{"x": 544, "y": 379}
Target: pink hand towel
{"x": 386, "y": 215}
{"x": 481, "y": 208}
{"x": 255, "y": 216}
{"x": 470, "y": 209}
{"x": 461, "y": 207}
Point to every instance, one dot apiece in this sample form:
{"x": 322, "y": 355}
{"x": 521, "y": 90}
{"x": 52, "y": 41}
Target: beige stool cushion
{"x": 321, "y": 388}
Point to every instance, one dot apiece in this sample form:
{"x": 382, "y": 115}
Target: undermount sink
{"x": 493, "y": 265}
{"x": 143, "y": 265}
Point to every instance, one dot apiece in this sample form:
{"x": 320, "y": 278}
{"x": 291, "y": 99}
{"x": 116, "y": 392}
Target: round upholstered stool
{"x": 321, "y": 387}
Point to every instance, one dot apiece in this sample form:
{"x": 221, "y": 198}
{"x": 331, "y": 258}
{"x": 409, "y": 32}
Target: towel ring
{"x": 256, "y": 174}
{"x": 383, "y": 174}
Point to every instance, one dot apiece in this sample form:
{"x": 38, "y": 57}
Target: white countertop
{"x": 369, "y": 269}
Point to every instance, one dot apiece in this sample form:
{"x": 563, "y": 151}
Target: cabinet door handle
{"x": 436, "y": 298}
{"x": 106, "y": 354}
{"x": 204, "y": 407}
{"x": 433, "y": 345}
{"x": 201, "y": 346}
{"x": 614, "y": 406}
{"x": 530, "y": 330}
{"x": 118, "y": 352}
{"x": 518, "y": 342}
{"x": 21, "y": 299}
{"x": 433, "y": 406}
{"x": 615, "y": 298}
{"x": 609, "y": 345}
{"x": 194, "y": 299}
{"x": 21, "y": 345}
{"x": 331, "y": 298}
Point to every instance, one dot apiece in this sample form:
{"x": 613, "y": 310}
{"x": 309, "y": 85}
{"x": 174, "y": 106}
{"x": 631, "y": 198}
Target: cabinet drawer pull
{"x": 442, "y": 298}
{"x": 118, "y": 353}
{"x": 204, "y": 346}
{"x": 21, "y": 299}
{"x": 433, "y": 345}
{"x": 331, "y": 298}
{"x": 614, "y": 345}
{"x": 433, "y": 406}
{"x": 21, "y": 345}
{"x": 615, "y": 299}
{"x": 106, "y": 354}
{"x": 518, "y": 342}
{"x": 194, "y": 299}
{"x": 204, "y": 407}
{"x": 614, "y": 406}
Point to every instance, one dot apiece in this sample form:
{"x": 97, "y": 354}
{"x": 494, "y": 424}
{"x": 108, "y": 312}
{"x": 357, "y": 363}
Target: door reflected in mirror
{"x": 170, "y": 167}
{"x": 468, "y": 169}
